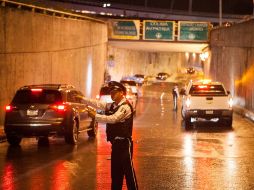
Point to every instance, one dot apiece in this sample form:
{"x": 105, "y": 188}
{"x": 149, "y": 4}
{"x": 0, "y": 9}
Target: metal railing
{"x": 44, "y": 10}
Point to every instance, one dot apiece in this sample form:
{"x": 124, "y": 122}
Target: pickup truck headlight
{"x": 230, "y": 102}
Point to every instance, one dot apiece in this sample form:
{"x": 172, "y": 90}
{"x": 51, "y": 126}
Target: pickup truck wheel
{"x": 188, "y": 125}
{"x": 13, "y": 140}
{"x": 43, "y": 141}
{"x": 71, "y": 137}
{"x": 227, "y": 122}
{"x": 93, "y": 129}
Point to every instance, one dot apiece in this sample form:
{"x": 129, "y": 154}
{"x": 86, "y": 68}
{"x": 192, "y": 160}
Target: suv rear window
{"x": 43, "y": 97}
{"x": 207, "y": 90}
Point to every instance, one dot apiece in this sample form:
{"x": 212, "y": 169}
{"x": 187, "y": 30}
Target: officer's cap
{"x": 113, "y": 85}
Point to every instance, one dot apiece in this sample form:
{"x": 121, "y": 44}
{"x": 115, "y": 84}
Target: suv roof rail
{"x": 58, "y": 86}
{"x": 66, "y": 86}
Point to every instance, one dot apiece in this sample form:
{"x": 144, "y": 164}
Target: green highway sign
{"x": 158, "y": 30}
{"x": 193, "y": 31}
{"x": 124, "y": 29}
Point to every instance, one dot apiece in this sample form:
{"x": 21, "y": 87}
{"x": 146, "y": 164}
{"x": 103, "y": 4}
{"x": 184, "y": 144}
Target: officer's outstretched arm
{"x": 95, "y": 103}
{"x": 121, "y": 114}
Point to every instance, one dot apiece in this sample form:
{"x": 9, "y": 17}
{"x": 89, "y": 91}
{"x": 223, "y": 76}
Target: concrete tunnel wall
{"x": 37, "y": 48}
{"x": 232, "y": 61}
{"x": 127, "y": 62}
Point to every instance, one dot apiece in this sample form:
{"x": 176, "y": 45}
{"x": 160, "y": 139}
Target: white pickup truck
{"x": 206, "y": 100}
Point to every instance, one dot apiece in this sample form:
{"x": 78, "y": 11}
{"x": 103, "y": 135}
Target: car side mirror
{"x": 182, "y": 92}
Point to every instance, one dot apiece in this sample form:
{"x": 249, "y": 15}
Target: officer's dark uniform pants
{"x": 122, "y": 165}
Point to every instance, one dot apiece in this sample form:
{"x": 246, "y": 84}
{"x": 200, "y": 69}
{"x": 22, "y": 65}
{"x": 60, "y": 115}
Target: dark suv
{"x": 46, "y": 110}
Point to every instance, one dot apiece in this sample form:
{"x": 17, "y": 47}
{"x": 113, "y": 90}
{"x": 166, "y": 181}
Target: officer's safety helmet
{"x": 113, "y": 85}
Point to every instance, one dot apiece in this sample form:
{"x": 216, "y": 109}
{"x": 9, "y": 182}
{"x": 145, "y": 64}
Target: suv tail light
{"x": 8, "y": 108}
{"x": 59, "y": 107}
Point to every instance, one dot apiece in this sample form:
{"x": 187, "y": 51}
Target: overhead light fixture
{"x": 204, "y": 56}
{"x": 106, "y": 5}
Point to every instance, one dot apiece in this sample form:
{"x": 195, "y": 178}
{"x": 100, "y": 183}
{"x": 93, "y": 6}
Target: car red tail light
{"x": 59, "y": 107}
{"x": 8, "y": 108}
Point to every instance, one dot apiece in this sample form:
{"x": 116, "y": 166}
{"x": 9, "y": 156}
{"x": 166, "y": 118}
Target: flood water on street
{"x": 166, "y": 156}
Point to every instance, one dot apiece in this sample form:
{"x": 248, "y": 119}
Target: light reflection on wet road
{"x": 165, "y": 155}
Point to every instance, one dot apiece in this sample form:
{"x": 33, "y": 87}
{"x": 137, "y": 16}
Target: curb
{"x": 244, "y": 112}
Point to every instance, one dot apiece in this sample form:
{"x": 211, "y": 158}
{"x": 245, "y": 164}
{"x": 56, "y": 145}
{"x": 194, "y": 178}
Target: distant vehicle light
{"x": 97, "y": 96}
{"x": 206, "y": 81}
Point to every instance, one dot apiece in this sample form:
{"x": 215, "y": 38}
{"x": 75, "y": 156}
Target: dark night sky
{"x": 211, "y": 6}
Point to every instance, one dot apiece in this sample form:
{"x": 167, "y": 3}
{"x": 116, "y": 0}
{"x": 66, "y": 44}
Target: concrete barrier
{"x": 38, "y": 48}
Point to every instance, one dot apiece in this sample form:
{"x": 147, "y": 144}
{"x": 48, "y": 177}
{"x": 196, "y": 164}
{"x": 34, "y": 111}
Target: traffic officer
{"x": 119, "y": 123}
{"x": 175, "y": 93}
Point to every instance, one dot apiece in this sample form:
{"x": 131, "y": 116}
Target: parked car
{"x": 106, "y": 97}
{"x": 131, "y": 97}
{"x": 162, "y": 76}
{"x": 105, "y": 94}
{"x": 132, "y": 84}
{"x": 190, "y": 70}
{"x": 139, "y": 78}
{"x": 149, "y": 79}
{"x": 45, "y": 110}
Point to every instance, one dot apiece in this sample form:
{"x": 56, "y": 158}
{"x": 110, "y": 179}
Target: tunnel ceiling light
{"x": 106, "y": 5}
{"x": 204, "y": 56}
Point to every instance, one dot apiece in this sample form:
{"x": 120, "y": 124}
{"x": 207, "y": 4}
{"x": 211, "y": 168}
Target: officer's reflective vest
{"x": 119, "y": 129}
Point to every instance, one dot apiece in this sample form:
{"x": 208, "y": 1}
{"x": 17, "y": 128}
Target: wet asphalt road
{"x": 165, "y": 155}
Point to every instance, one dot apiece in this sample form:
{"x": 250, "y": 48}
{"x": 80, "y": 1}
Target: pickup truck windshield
{"x": 207, "y": 90}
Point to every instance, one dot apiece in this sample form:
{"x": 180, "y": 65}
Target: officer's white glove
{"x": 91, "y": 111}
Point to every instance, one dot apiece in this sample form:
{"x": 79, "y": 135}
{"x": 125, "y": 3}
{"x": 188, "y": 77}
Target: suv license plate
{"x": 32, "y": 112}
{"x": 209, "y": 112}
